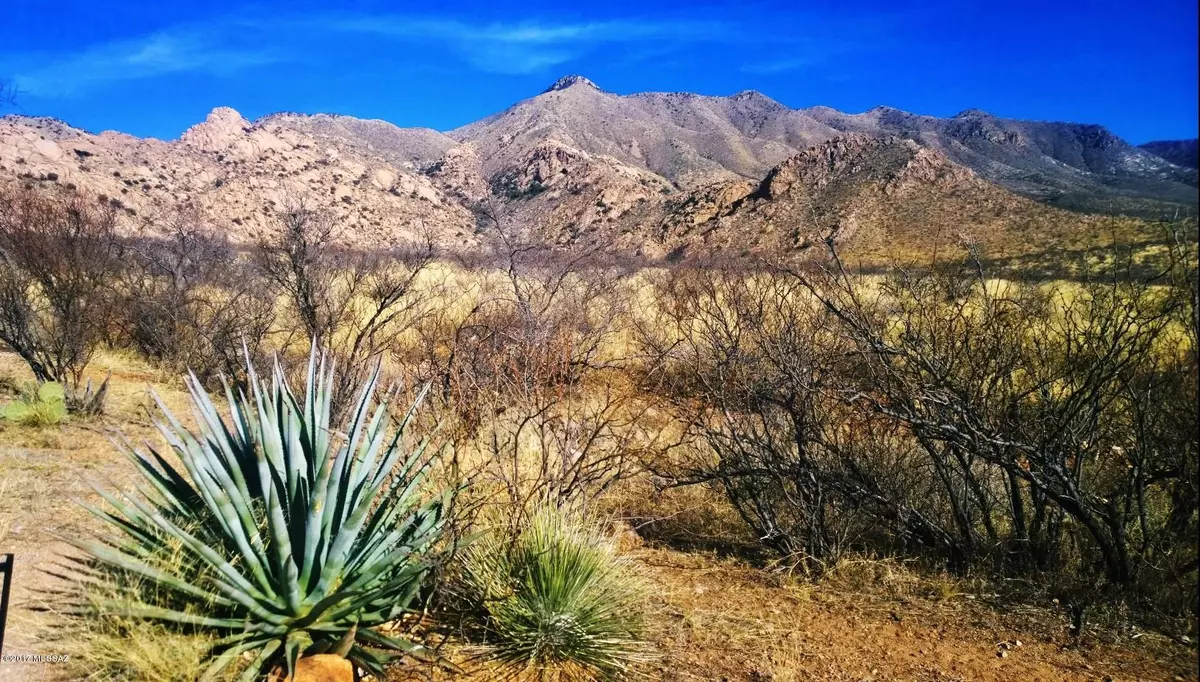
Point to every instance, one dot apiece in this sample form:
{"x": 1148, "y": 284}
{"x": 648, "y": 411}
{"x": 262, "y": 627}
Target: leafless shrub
{"x": 190, "y": 302}
{"x": 527, "y": 371}
{"x": 1042, "y": 386}
{"x": 8, "y": 94}
{"x": 353, "y": 303}
{"x": 748, "y": 364}
{"x": 1020, "y": 425}
{"x": 60, "y": 254}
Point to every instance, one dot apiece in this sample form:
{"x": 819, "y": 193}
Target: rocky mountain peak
{"x": 972, "y": 113}
{"x": 571, "y": 81}
{"x": 221, "y": 128}
{"x": 749, "y": 94}
{"x": 226, "y": 117}
{"x": 756, "y": 100}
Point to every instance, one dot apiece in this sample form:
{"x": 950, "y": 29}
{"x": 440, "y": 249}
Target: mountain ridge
{"x": 1184, "y": 153}
{"x": 647, "y": 173}
{"x": 1078, "y": 166}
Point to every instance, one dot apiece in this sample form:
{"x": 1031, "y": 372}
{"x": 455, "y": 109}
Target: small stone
{"x": 1003, "y": 653}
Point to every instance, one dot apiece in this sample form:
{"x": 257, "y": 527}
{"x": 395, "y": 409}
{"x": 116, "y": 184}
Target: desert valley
{"x": 600, "y": 386}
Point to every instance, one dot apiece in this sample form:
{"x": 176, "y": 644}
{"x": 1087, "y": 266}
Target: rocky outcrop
{"x": 571, "y": 81}
{"x": 891, "y": 162}
{"x": 241, "y": 175}
{"x": 566, "y": 196}
{"x": 221, "y": 129}
{"x": 459, "y": 173}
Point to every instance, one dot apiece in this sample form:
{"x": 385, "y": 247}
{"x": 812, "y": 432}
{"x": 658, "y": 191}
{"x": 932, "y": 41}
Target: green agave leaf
{"x": 273, "y": 532}
{"x": 226, "y": 658}
{"x": 261, "y": 661}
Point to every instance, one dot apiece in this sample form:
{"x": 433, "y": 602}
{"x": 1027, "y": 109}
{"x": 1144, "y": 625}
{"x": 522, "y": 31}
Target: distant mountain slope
{"x": 1183, "y": 153}
{"x": 881, "y": 197}
{"x": 655, "y": 174}
{"x": 241, "y": 174}
{"x": 1072, "y": 165}
{"x": 691, "y": 140}
{"x": 694, "y": 140}
{"x": 413, "y": 147}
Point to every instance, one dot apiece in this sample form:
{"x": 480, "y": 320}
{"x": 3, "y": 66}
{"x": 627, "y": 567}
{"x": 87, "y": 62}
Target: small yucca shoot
{"x": 556, "y": 603}
{"x": 284, "y": 537}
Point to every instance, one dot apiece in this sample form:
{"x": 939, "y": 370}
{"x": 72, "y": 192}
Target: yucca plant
{"x": 281, "y": 536}
{"x": 556, "y": 602}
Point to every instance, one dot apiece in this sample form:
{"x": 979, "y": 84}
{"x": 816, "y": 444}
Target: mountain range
{"x": 1179, "y": 152}
{"x": 653, "y": 174}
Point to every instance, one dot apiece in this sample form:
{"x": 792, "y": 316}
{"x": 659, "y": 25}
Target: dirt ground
{"x": 721, "y": 621}
{"x": 711, "y": 618}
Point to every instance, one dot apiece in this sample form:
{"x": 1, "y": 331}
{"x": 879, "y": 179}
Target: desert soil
{"x": 711, "y": 618}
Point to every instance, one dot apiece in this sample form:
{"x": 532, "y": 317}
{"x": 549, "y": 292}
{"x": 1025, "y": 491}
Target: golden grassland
{"x": 713, "y": 615}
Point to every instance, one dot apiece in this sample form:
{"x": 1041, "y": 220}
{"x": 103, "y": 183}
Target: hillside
{"x": 881, "y": 198}
{"x": 694, "y": 140}
{"x": 241, "y": 174}
{"x": 1184, "y": 153}
{"x": 649, "y": 174}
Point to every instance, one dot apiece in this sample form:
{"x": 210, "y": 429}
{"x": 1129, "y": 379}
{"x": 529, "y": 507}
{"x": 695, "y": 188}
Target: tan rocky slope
{"x": 651, "y": 174}
{"x": 882, "y": 198}
{"x": 241, "y": 174}
{"x": 694, "y": 140}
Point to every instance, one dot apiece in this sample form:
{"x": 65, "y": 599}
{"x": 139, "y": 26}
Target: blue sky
{"x": 153, "y": 68}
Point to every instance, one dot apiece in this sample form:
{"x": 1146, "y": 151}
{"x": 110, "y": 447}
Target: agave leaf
{"x": 234, "y": 586}
{"x": 126, "y": 609}
{"x": 261, "y": 661}
{"x": 296, "y": 641}
{"x": 220, "y": 663}
{"x": 235, "y": 513}
{"x": 282, "y": 535}
{"x": 229, "y": 449}
{"x": 105, "y": 553}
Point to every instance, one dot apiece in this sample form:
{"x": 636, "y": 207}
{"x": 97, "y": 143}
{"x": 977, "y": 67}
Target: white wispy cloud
{"x": 774, "y": 66}
{"x": 529, "y": 47}
{"x": 179, "y": 50}
{"x": 236, "y": 43}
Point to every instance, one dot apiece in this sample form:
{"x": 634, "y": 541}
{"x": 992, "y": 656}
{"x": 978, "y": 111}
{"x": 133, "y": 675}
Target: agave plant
{"x": 556, "y": 603}
{"x": 285, "y": 537}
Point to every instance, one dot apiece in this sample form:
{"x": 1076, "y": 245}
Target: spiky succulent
{"x": 556, "y": 602}
{"x": 285, "y": 537}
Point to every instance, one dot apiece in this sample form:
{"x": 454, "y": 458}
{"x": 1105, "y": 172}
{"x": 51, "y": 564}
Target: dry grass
{"x": 44, "y": 471}
{"x": 20, "y": 488}
{"x": 121, "y": 649}
{"x": 712, "y": 617}
{"x": 719, "y": 619}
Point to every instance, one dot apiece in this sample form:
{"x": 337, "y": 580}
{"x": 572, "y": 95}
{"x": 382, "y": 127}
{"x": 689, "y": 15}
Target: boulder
{"x": 320, "y": 668}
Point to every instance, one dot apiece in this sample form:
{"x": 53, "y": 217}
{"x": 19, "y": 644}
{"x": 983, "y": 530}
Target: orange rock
{"x": 323, "y": 668}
